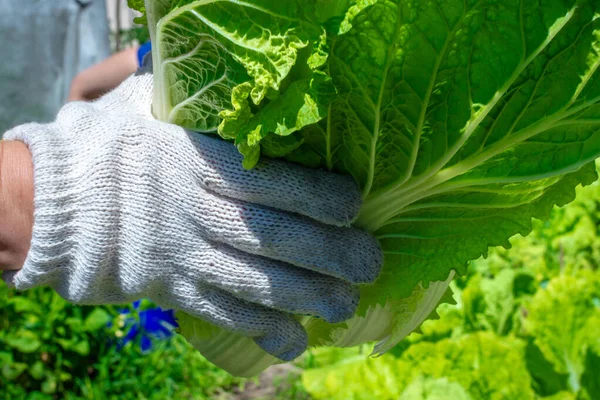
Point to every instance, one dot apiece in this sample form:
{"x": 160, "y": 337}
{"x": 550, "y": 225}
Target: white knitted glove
{"x": 128, "y": 207}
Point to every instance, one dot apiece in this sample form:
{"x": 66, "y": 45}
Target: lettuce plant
{"x": 460, "y": 120}
{"x": 478, "y": 365}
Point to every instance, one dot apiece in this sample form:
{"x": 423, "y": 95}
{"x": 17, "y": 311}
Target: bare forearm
{"x": 105, "y": 76}
{"x": 16, "y": 204}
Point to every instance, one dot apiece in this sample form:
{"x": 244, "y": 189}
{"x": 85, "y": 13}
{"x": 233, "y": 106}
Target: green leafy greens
{"x": 460, "y": 120}
{"x": 467, "y": 368}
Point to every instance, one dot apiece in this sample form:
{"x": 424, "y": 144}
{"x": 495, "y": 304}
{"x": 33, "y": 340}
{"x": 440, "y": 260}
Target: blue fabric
{"x": 142, "y": 51}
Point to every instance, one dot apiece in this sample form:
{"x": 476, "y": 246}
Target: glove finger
{"x": 346, "y": 253}
{"x": 275, "y": 332}
{"x": 272, "y": 284}
{"x": 327, "y": 197}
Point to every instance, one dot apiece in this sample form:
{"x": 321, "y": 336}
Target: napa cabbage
{"x": 461, "y": 120}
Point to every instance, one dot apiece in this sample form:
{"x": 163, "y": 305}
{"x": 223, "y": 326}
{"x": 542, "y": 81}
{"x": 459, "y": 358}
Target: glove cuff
{"x": 52, "y": 246}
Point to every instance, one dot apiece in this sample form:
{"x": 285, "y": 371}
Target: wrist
{"x": 16, "y": 203}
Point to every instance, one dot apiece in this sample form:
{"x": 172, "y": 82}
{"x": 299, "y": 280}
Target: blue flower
{"x": 150, "y": 324}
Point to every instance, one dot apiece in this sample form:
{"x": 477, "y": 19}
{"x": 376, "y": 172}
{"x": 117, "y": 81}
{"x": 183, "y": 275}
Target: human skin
{"x": 16, "y": 204}
{"x": 101, "y": 78}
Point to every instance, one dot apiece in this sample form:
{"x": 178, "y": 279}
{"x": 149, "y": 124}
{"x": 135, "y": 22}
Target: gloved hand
{"x": 128, "y": 207}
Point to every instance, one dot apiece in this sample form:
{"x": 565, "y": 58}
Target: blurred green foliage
{"x": 527, "y": 326}
{"x": 137, "y": 35}
{"x": 50, "y": 349}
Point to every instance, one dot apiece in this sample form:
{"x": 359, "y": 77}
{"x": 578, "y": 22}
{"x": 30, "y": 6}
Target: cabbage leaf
{"x": 461, "y": 120}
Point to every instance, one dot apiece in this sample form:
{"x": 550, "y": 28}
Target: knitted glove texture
{"x": 128, "y": 207}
